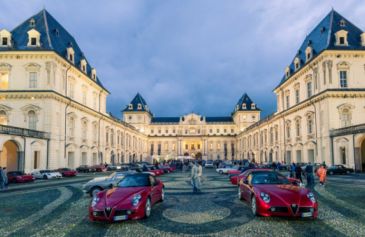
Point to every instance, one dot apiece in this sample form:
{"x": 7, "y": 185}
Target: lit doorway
{"x": 9, "y": 156}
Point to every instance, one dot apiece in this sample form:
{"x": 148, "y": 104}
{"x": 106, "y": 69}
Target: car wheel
{"x": 45, "y": 177}
{"x": 221, "y": 172}
{"x": 254, "y": 206}
{"x": 147, "y": 208}
{"x": 347, "y": 172}
{"x": 239, "y": 193}
{"x": 331, "y": 173}
{"x": 94, "y": 191}
{"x": 162, "y": 195}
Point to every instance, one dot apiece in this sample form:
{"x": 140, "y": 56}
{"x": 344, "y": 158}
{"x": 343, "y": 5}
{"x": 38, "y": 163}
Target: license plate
{"x": 120, "y": 218}
{"x": 307, "y": 214}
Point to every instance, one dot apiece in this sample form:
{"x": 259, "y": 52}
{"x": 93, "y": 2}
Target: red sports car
{"x": 269, "y": 193}
{"x": 66, "y": 172}
{"x": 132, "y": 198}
{"x": 236, "y": 178}
{"x": 155, "y": 171}
{"x": 19, "y": 177}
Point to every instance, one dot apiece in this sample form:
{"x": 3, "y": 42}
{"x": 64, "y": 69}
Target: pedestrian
{"x": 2, "y": 181}
{"x": 298, "y": 172}
{"x": 200, "y": 174}
{"x": 292, "y": 170}
{"x": 6, "y": 181}
{"x": 195, "y": 177}
{"x": 309, "y": 174}
{"x": 322, "y": 174}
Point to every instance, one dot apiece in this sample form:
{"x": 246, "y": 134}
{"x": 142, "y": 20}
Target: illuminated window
{"x": 4, "y": 80}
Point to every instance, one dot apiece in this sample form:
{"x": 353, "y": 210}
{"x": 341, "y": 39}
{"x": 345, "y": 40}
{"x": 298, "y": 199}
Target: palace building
{"x": 53, "y": 107}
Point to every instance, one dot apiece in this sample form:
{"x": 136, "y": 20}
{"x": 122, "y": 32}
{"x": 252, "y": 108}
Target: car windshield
{"x": 116, "y": 175}
{"x": 269, "y": 178}
{"x": 45, "y": 171}
{"x": 134, "y": 181}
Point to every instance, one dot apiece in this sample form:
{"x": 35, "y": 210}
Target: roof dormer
{"x": 139, "y": 106}
{"x": 83, "y": 65}
{"x": 71, "y": 55}
{"x": 253, "y": 106}
{"x": 287, "y": 72}
{"x": 363, "y": 39}
{"x": 5, "y": 38}
{"x": 34, "y": 38}
{"x": 130, "y": 106}
{"x": 296, "y": 63}
{"x": 308, "y": 53}
{"x": 93, "y": 74}
{"x": 341, "y": 38}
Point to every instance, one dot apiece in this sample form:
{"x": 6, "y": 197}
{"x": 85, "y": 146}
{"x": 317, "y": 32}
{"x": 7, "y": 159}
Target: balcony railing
{"x": 4, "y": 129}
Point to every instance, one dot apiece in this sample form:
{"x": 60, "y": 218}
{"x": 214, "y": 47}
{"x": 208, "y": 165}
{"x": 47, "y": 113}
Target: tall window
{"x": 309, "y": 89}
{"x": 84, "y": 97}
{"x": 84, "y": 130}
{"x": 345, "y": 117}
{"x": 297, "y": 98}
{"x": 32, "y": 80}
{"x": 343, "y": 79}
{"x": 4, "y": 80}
{"x": 71, "y": 126}
{"x": 3, "y": 118}
{"x": 310, "y": 125}
{"x": 343, "y": 155}
{"x": 288, "y": 131}
{"x": 32, "y": 120}
{"x": 95, "y": 132}
{"x": 287, "y": 98}
{"x": 72, "y": 89}
{"x": 297, "y": 128}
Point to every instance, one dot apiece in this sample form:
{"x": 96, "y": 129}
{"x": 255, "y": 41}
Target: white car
{"x": 46, "y": 174}
{"x": 209, "y": 164}
{"x": 225, "y": 169}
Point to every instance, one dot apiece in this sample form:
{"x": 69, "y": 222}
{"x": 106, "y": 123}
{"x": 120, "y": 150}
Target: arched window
{"x": 32, "y": 120}
{"x": 288, "y": 130}
{"x": 345, "y": 117}
{"x": 84, "y": 130}
{"x": 3, "y": 118}
{"x": 71, "y": 127}
{"x": 297, "y": 128}
{"x": 310, "y": 125}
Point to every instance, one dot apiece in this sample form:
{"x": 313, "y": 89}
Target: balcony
{"x": 4, "y": 129}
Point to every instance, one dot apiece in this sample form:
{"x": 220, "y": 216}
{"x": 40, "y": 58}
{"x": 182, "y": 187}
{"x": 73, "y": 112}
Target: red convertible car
{"x": 19, "y": 177}
{"x": 132, "y": 198}
{"x": 269, "y": 193}
{"x": 66, "y": 172}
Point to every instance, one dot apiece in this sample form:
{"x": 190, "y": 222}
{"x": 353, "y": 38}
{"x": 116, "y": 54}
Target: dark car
{"x": 85, "y": 169}
{"x": 339, "y": 169}
{"x": 19, "y": 177}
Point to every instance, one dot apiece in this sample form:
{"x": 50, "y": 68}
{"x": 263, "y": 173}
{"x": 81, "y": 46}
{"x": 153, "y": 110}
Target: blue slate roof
{"x": 138, "y": 100}
{"x": 218, "y": 119}
{"x": 54, "y": 37}
{"x": 165, "y": 120}
{"x": 323, "y": 37}
{"x": 245, "y": 100}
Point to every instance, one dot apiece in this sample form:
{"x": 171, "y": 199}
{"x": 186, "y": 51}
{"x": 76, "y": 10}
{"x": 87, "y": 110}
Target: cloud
{"x": 190, "y": 55}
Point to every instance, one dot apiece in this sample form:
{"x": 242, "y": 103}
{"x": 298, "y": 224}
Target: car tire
{"x": 147, "y": 208}
{"x": 45, "y": 177}
{"x": 347, "y": 172}
{"x": 95, "y": 191}
{"x": 162, "y": 195}
{"x": 221, "y": 172}
{"x": 254, "y": 205}
{"x": 331, "y": 173}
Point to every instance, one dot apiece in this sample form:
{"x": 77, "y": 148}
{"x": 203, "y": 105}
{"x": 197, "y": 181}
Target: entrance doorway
{"x": 9, "y": 156}
{"x": 363, "y": 156}
{"x": 36, "y": 160}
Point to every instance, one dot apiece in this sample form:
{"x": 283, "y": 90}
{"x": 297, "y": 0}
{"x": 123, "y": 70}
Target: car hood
{"x": 116, "y": 195}
{"x": 285, "y": 192}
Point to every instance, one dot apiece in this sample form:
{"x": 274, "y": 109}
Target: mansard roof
{"x": 245, "y": 104}
{"x": 138, "y": 100}
{"x": 165, "y": 120}
{"x": 322, "y": 37}
{"x": 227, "y": 119}
{"x": 54, "y": 37}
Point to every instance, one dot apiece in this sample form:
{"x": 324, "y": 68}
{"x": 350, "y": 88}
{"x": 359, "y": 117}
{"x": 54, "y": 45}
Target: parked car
{"x": 226, "y": 168}
{"x": 209, "y": 164}
{"x": 99, "y": 168}
{"x": 100, "y": 183}
{"x": 85, "y": 169}
{"x": 132, "y": 198}
{"x": 270, "y": 193}
{"x": 66, "y": 172}
{"x": 155, "y": 171}
{"x": 19, "y": 177}
{"x": 46, "y": 174}
{"x": 339, "y": 169}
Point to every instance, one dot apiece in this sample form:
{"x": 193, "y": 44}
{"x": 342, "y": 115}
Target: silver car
{"x": 98, "y": 184}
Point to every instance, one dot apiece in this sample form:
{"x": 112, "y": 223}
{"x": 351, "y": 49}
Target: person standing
{"x": 200, "y": 175}
{"x": 2, "y": 181}
{"x": 298, "y": 172}
{"x": 195, "y": 177}
{"x": 322, "y": 174}
{"x": 6, "y": 181}
{"x": 309, "y": 174}
{"x": 292, "y": 170}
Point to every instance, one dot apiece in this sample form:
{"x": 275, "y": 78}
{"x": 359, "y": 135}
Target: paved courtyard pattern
{"x": 61, "y": 210}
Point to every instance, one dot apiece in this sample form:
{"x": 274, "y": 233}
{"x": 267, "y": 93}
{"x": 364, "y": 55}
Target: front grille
{"x": 294, "y": 208}
{"x": 306, "y": 209}
{"x": 98, "y": 213}
{"x": 108, "y": 210}
{"x": 121, "y": 213}
{"x": 279, "y": 209}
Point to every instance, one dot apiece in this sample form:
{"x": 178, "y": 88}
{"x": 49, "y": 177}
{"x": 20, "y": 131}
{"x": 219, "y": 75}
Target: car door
{"x": 154, "y": 189}
{"x": 246, "y": 188}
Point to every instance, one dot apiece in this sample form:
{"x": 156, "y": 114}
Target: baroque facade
{"x": 53, "y": 107}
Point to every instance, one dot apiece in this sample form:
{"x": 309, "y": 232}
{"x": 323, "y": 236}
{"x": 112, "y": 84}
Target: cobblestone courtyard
{"x": 61, "y": 210}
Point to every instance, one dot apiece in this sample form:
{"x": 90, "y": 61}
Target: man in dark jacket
{"x": 309, "y": 174}
{"x": 298, "y": 172}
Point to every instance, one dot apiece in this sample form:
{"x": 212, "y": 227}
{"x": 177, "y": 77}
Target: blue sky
{"x": 187, "y": 56}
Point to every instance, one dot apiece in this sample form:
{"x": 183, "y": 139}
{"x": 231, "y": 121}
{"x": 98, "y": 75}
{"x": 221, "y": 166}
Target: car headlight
{"x": 311, "y": 197}
{"x": 136, "y": 199}
{"x": 265, "y": 197}
{"x": 95, "y": 201}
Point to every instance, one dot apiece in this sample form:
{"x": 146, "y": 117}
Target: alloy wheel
{"x": 253, "y": 206}
{"x": 148, "y": 208}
